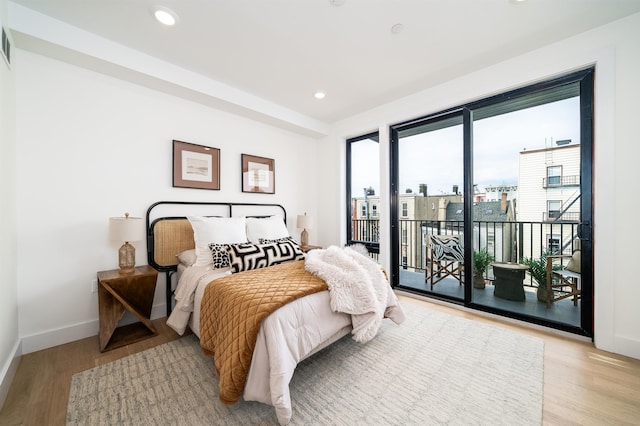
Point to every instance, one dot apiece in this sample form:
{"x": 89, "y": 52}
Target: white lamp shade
{"x": 124, "y": 229}
{"x": 304, "y": 221}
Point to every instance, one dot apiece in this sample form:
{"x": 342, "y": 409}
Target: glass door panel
{"x": 363, "y": 192}
{"x": 526, "y": 205}
{"x": 430, "y": 206}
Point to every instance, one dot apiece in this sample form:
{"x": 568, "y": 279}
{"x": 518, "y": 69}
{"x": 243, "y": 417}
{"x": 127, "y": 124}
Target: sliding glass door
{"x": 430, "y": 213}
{"x": 492, "y": 204}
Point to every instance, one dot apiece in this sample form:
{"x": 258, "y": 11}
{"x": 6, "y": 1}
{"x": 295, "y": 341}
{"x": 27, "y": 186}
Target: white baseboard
{"x": 60, "y": 336}
{"x": 627, "y": 347}
{"x": 9, "y": 372}
{"x": 51, "y": 338}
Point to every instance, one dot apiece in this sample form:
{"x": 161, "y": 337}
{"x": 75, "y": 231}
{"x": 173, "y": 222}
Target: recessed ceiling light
{"x": 337, "y": 2}
{"x": 319, "y": 94}
{"x": 165, "y": 16}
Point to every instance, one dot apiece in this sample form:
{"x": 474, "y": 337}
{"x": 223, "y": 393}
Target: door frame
{"x": 585, "y": 79}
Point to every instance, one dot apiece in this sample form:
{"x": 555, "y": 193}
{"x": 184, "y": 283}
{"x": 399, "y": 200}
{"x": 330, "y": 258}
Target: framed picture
{"x": 195, "y": 166}
{"x": 258, "y": 174}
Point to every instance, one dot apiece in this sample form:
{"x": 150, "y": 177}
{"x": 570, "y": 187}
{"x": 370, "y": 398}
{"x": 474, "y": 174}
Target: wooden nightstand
{"x": 309, "y": 248}
{"x": 119, "y": 293}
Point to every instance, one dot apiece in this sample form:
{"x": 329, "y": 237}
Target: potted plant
{"x": 481, "y": 261}
{"x": 538, "y": 271}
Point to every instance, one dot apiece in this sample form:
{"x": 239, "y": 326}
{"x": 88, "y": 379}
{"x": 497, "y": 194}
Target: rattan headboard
{"x": 169, "y": 232}
{"x": 170, "y": 237}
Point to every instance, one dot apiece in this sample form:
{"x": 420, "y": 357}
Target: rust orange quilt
{"x": 232, "y": 310}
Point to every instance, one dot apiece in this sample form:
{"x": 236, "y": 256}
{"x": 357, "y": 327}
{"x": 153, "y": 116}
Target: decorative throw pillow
{"x": 219, "y": 230}
{"x": 574, "y": 262}
{"x": 272, "y": 228}
{"x": 244, "y": 257}
{"x": 219, "y": 255}
{"x": 277, "y": 240}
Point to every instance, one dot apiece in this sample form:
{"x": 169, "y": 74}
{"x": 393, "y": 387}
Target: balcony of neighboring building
{"x": 560, "y": 181}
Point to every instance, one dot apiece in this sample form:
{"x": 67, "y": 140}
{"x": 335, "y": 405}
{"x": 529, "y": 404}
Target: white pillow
{"x": 268, "y": 228}
{"x": 187, "y": 257}
{"x": 219, "y": 230}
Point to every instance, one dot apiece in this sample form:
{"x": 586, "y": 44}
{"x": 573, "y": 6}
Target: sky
{"x": 436, "y": 157}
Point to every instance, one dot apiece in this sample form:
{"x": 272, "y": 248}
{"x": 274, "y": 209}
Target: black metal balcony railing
{"x": 557, "y": 181}
{"x": 506, "y": 241}
{"x": 364, "y": 230}
{"x": 367, "y": 232}
{"x": 558, "y": 216}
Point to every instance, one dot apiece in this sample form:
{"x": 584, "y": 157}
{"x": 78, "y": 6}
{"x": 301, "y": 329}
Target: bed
{"x": 180, "y": 236}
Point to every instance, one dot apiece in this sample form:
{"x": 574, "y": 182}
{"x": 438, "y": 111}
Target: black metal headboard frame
{"x": 150, "y": 224}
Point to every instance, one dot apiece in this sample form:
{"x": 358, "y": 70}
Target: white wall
{"x": 615, "y": 50}
{"x": 9, "y": 341}
{"x": 91, "y": 146}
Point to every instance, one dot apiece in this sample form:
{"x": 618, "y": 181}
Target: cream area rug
{"x": 433, "y": 369}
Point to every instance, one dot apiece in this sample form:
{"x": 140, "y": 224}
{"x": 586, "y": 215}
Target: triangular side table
{"x": 118, "y": 293}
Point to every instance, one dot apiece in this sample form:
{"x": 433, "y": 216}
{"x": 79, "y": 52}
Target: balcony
{"x": 366, "y": 232}
{"x": 506, "y": 241}
{"x": 558, "y": 216}
{"x": 559, "y": 181}
{"x": 562, "y": 311}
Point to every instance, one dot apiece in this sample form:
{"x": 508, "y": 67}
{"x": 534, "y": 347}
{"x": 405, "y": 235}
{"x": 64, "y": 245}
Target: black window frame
{"x": 542, "y": 92}
{"x": 372, "y": 246}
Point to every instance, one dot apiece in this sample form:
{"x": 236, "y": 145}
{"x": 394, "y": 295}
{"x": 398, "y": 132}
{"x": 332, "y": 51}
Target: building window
{"x": 404, "y": 236}
{"x": 554, "y": 175}
{"x": 405, "y": 210}
{"x": 374, "y": 210}
{"x": 363, "y": 213}
{"x": 553, "y": 244}
{"x": 553, "y": 209}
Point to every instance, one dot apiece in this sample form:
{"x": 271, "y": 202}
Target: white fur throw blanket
{"x": 357, "y": 286}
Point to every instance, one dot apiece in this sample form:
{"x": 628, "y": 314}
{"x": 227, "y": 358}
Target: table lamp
{"x": 304, "y": 223}
{"x": 126, "y": 229}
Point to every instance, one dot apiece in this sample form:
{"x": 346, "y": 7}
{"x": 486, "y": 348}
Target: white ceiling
{"x": 282, "y": 51}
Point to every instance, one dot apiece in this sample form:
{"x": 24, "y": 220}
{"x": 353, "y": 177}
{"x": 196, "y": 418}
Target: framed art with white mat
{"x": 258, "y": 174}
{"x": 195, "y": 166}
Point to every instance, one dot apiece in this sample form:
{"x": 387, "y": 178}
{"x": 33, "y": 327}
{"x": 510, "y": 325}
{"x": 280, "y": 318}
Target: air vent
{"x": 6, "y": 47}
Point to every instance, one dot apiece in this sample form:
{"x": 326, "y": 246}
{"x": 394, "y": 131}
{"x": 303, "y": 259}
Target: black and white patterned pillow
{"x": 247, "y": 256}
{"x": 277, "y": 240}
{"x": 220, "y": 255}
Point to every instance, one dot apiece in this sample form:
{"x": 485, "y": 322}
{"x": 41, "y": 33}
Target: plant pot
{"x": 542, "y": 293}
{"x": 478, "y": 281}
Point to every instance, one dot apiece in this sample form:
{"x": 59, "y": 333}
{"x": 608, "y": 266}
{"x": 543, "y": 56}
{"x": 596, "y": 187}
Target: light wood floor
{"x": 582, "y": 385}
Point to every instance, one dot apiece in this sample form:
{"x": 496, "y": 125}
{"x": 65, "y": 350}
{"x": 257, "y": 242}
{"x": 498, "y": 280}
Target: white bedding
{"x": 286, "y": 337}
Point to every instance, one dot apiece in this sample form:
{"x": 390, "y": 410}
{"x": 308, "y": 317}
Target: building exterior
{"x": 494, "y": 192}
{"x": 544, "y": 218}
{"x": 549, "y": 188}
{"x": 494, "y": 227}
